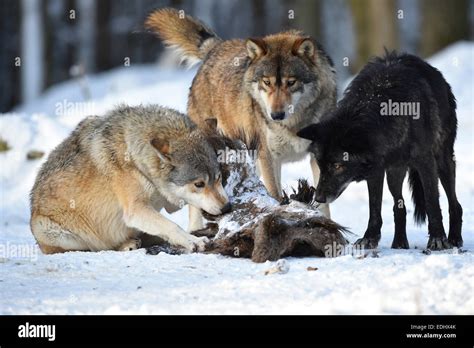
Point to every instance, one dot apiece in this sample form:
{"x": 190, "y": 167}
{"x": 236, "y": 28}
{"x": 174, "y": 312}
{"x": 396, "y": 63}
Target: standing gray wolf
{"x": 398, "y": 115}
{"x": 104, "y": 185}
{"x": 260, "y": 90}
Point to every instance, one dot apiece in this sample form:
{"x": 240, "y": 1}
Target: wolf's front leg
{"x": 266, "y": 166}
{"x": 146, "y": 219}
{"x": 139, "y": 213}
{"x": 323, "y": 207}
{"x": 195, "y": 219}
{"x": 372, "y": 234}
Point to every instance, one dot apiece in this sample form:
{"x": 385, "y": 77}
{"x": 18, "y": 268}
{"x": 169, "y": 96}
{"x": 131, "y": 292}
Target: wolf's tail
{"x": 189, "y": 39}
{"x": 418, "y": 196}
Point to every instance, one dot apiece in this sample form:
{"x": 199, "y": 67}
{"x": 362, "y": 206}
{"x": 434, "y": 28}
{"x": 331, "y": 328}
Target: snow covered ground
{"x": 397, "y": 282}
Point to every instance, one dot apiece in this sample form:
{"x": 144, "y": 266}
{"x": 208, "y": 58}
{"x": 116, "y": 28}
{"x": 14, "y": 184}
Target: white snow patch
{"x": 397, "y": 282}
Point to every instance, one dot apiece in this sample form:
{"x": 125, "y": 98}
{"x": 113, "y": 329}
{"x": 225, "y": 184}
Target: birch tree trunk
{"x": 376, "y": 27}
{"x": 443, "y": 22}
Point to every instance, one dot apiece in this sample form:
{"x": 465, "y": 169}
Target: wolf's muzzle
{"x": 320, "y": 197}
{"x": 227, "y": 208}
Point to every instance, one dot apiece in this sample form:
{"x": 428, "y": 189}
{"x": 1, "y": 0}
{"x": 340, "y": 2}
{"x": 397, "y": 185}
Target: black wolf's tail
{"x": 189, "y": 39}
{"x": 418, "y": 196}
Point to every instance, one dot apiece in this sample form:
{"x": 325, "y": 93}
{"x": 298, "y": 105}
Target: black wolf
{"x": 397, "y": 115}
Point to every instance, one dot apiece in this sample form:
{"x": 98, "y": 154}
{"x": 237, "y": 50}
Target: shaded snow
{"x": 398, "y": 281}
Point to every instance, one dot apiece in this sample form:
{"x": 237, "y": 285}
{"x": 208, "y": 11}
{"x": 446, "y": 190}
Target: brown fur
{"x": 229, "y": 86}
{"x": 177, "y": 32}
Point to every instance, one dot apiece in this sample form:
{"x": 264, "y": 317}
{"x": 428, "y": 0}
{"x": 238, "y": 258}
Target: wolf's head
{"x": 193, "y": 174}
{"x": 282, "y": 73}
{"x": 343, "y": 155}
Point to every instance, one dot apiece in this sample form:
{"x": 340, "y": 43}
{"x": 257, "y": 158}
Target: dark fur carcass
{"x": 259, "y": 227}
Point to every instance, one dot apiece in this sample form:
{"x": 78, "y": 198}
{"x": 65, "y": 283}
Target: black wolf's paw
{"x": 400, "y": 243}
{"x": 367, "y": 243}
{"x": 438, "y": 243}
{"x": 455, "y": 241}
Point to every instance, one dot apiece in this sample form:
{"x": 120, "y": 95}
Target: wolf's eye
{"x": 266, "y": 82}
{"x": 291, "y": 82}
{"x": 338, "y": 167}
{"x": 200, "y": 184}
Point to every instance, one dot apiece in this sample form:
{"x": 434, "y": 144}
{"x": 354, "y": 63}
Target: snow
{"x": 395, "y": 282}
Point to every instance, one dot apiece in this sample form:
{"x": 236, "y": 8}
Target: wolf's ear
{"x": 256, "y": 48}
{"x": 162, "y": 148}
{"x": 304, "y": 47}
{"x": 316, "y": 134}
{"x": 312, "y": 132}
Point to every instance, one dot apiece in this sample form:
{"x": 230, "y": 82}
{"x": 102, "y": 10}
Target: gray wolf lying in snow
{"x": 105, "y": 184}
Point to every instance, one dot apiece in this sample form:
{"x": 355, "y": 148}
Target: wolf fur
{"x": 260, "y": 90}
{"x": 360, "y": 141}
{"x": 106, "y": 183}
{"x": 259, "y": 227}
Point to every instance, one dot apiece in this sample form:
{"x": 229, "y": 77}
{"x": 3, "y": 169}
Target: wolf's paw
{"x": 367, "y": 243}
{"x": 130, "y": 244}
{"x": 200, "y": 244}
{"x": 438, "y": 243}
{"x": 455, "y": 241}
{"x": 195, "y": 244}
{"x": 400, "y": 243}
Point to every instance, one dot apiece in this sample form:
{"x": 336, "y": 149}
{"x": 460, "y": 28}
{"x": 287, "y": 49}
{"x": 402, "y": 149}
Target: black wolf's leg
{"x": 426, "y": 167}
{"x": 372, "y": 234}
{"x": 447, "y": 175}
{"x": 395, "y": 177}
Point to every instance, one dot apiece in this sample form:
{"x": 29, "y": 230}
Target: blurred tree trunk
{"x": 146, "y": 46}
{"x": 32, "y": 49}
{"x": 375, "y": 26}
{"x": 443, "y": 22}
{"x": 259, "y": 18}
{"x": 10, "y": 39}
{"x": 59, "y": 40}
{"x": 103, "y": 35}
{"x": 276, "y": 16}
{"x": 87, "y": 33}
{"x": 308, "y": 17}
{"x": 205, "y": 11}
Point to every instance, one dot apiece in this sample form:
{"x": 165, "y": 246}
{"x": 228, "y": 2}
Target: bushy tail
{"x": 188, "y": 39}
{"x": 418, "y": 196}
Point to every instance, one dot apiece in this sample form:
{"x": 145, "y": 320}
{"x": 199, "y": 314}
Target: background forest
{"x": 48, "y": 41}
